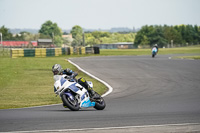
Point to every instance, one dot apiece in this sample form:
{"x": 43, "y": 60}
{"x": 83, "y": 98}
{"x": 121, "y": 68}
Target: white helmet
{"x": 56, "y": 69}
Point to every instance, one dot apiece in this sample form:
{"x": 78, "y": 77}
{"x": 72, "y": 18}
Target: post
{"x": 172, "y": 45}
{"x": 1, "y": 39}
{"x": 83, "y": 39}
{"x": 2, "y": 43}
{"x": 53, "y": 38}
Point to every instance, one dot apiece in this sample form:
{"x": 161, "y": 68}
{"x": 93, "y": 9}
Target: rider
{"x": 156, "y": 46}
{"x": 57, "y": 70}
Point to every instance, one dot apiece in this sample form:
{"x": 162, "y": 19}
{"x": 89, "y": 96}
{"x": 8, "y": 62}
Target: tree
{"x": 170, "y": 33}
{"x": 77, "y": 33}
{"x": 157, "y": 37}
{"x": 145, "y": 41}
{"x": 58, "y": 41}
{"x": 151, "y": 34}
{"x": 6, "y": 34}
{"x": 197, "y": 34}
{"x": 51, "y": 30}
{"x": 89, "y": 39}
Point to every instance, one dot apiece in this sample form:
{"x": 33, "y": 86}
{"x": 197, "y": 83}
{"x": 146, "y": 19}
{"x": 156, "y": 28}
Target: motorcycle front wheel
{"x": 100, "y": 104}
{"x": 71, "y": 104}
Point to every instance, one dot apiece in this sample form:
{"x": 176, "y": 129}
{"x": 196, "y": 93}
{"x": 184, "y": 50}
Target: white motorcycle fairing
{"x": 64, "y": 86}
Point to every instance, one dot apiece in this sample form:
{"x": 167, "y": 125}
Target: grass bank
{"x": 189, "y": 57}
{"x": 183, "y": 50}
{"x": 26, "y": 82}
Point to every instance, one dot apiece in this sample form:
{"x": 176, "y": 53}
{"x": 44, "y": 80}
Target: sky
{"x": 98, "y": 14}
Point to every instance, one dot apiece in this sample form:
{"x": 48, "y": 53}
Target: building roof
{"x": 44, "y": 40}
{"x": 119, "y": 43}
{"x": 67, "y": 36}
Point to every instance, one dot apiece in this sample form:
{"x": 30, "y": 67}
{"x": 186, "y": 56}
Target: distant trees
{"x": 26, "y": 36}
{"x": 147, "y": 36}
{"x": 163, "y": 35}
{"x": 22, "y": 36}
{"x": 100, "y": 37}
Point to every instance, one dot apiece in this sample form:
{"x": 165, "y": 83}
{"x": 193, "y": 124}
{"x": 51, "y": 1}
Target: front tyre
{"x": 100, "y": 104}
{"x": 153, "y": 54}
{"x": 70, "y": 103}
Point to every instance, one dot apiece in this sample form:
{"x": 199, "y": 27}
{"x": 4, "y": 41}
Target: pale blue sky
{"x": 98, "y": 14}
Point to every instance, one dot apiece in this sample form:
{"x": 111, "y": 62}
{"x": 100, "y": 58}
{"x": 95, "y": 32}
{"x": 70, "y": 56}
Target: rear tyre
{"x": 71, "y": 104}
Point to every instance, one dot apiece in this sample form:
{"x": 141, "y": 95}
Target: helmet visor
{"x": 56, "y": 72}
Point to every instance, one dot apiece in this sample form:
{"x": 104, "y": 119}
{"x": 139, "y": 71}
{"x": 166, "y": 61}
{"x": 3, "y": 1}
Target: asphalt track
{"x": 146, "y": 91}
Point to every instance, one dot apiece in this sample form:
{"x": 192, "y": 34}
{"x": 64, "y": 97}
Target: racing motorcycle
{"x": 75, "y": 96}
{"x": 154, "y": 52}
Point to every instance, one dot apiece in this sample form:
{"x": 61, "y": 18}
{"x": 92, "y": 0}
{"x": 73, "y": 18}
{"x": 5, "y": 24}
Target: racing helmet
{"x": 57, "y": 69}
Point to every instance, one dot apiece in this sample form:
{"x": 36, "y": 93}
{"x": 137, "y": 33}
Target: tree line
{"x": 147, "y": 36}
{"x": 179, "y": 35}
{"x": 98, "y": 37}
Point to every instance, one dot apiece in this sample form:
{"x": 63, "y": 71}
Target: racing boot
{"x": 92, "y": 93}
{"x": 64, "y": 106}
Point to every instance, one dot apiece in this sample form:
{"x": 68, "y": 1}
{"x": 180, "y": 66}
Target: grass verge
{"x": 26, "y": 82}
{"x": 182, "y": 50}
{"x": 189, "y": 57}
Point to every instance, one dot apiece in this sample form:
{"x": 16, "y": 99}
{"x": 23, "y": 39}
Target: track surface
{"x": 147, "y": 91}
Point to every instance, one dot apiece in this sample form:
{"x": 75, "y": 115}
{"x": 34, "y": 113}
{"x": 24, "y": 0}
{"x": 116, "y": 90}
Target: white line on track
{"x": 110, "y": 89}
{"x": 165, "y": 127}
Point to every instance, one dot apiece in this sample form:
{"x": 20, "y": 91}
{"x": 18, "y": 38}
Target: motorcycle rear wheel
{"x": 71, "y": 104}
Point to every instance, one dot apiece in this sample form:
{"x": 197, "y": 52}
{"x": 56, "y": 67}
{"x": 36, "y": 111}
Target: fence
{"x": 4, "y": 51}
{"x": 45, "y": 52}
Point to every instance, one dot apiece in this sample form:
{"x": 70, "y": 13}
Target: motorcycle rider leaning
{"x": 156, "y": 46}
{"x": 57, "y": 70}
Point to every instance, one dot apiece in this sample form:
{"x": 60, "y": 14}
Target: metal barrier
{"x": 48, "y": 52}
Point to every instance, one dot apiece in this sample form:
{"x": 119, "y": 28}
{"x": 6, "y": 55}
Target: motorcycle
{"x": 75, "y": 96}
{"x": 154, "y": 52}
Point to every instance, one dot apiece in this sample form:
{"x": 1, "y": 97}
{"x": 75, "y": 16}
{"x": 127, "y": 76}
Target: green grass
{"x": 26, "y": 82}
{"x": 189, "y": 57}
{"x": 4, "y": 52}
{"x": 106, "y": 52}
{"x": 183, "y": 50}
